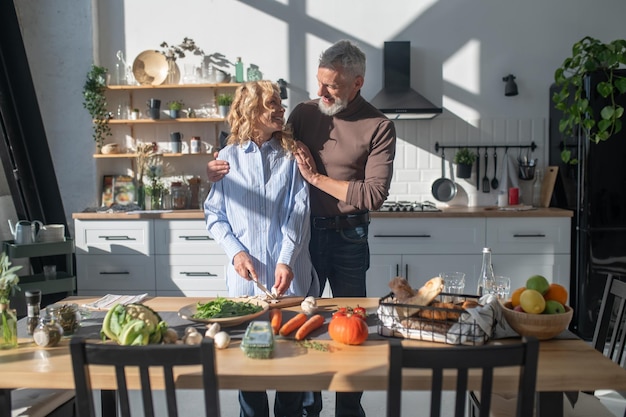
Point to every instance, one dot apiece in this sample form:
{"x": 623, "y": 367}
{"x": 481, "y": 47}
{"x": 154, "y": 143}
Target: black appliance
{"x": 596, "y": 190}
{"x": 397, "y": 99}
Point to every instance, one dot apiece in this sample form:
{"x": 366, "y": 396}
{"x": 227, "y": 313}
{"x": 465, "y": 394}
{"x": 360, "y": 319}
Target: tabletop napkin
{"x": 110, "y": 300}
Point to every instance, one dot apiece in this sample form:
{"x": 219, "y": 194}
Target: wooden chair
{"x": 166, "y": 357}
{"x": 609, "y": 338}
{"x": 464, "y": 358}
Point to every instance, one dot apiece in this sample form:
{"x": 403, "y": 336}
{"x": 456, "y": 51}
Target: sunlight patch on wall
{"x": 348, "y": 16}
{"x": 461, "y": 110}
{"x": 463, "y": 67}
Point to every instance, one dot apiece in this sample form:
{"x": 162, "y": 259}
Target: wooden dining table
{"x": 565, "y": 364}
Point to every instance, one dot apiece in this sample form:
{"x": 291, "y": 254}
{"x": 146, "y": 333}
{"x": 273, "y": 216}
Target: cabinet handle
{"x": 531, "y": 235}
{"x": 397, "y": 269}
{"x": 198, "y": 274}
{"x": 195, "y": 237}
{"x": 402, "y": 235}
{"x": 117, "y": 238}
{"x": 114, "y": 273}
{"x": 406, "y": 271}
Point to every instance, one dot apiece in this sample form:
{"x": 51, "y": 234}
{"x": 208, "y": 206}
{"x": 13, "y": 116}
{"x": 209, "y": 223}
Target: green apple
{"x": 538, "y": 283}
{"x": 554, "y": 307}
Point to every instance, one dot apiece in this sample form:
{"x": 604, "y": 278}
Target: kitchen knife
{"x": 262, "y": 287}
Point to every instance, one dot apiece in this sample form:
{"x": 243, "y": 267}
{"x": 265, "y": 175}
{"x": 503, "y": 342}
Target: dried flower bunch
{"x": 8, "y": 278}
{"x": 144, "y": 152}
{"x": 178, "y": 51}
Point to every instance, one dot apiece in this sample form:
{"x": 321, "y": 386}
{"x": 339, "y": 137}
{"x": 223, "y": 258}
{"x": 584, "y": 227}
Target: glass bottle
{"x": 486, "y": 279}
{"x": 537, "y": 188}
{"x": 239, "y": 70}
{"x": 33, "y": 305}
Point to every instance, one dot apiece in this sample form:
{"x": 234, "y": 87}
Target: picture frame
{"x": 123, "y": 190}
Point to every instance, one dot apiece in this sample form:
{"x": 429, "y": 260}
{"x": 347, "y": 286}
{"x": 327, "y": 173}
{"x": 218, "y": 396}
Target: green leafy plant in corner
{"x": 95, "y": 102}
{"x": 464, "y": 156}
{"x": 590, "y": 55}
{"x": 224, "y": 100}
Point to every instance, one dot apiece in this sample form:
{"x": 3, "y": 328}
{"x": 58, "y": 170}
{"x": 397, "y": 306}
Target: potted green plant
{"x": 96, "y": 104}
{"x": 590, "y": 56}
{"x": 464, "y": 158}
{"x": 175, "y": 107}
{"x": 223, "y": 103}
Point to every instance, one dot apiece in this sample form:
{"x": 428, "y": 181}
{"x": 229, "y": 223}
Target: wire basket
{"x": 445, "y": 320}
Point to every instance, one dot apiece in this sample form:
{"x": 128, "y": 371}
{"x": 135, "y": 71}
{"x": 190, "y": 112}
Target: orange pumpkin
{"x": 348, "y": 328}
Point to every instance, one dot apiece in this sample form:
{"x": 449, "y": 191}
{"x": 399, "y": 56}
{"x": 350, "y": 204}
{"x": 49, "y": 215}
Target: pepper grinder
{"x": 33, "y": 302}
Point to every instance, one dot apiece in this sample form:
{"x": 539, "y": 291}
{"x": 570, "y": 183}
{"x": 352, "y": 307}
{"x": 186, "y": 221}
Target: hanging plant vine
{"x": 96, "y": 104}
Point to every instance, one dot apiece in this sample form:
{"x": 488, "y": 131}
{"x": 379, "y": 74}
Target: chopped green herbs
{"x": 225, "y": 308}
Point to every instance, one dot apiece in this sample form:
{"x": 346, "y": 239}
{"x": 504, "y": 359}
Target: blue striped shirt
{"x": 262, "y": 207}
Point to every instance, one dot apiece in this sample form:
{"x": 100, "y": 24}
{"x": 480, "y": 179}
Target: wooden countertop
{"x": 448, "y": 212}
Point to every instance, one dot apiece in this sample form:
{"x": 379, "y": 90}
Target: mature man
{"x": 346, "y": 152}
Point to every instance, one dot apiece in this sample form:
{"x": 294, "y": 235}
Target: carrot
{"x": 276, "y": 319}
{"x": 311, "y": 324}
{"x": 293, "y": 323}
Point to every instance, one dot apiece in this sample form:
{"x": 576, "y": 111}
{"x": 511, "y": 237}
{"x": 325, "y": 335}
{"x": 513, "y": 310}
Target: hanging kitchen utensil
{"x": 494, "y": 181}
{"x": 485, "y": 177}
{"x": 443, "y": 189}
{"x": 478, "y": 167}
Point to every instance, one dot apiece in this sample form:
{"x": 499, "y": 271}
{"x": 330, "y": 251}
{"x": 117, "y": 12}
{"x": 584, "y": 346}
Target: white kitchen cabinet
{"x": 419, "y": 249}
{"x": 115, "y": 274}
{"x": 530, "y": 246}
{"x": 191, "y": 275}
{"x": 188, "y": 261}
{"x": 132, "y": 237}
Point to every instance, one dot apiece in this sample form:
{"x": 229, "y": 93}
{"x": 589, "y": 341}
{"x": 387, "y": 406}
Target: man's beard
{"x": 333, "y": 109}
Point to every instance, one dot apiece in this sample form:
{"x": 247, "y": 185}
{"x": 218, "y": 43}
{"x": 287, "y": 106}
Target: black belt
{"x": 346, "y": 221}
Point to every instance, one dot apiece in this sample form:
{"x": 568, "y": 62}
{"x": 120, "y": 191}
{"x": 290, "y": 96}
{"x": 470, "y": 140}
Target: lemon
{"x": 539, "y": 283}
{"x": 532, "y": 301}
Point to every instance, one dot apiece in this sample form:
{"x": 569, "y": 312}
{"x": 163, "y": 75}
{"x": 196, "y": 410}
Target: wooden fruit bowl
{"x": 541, "y": 326}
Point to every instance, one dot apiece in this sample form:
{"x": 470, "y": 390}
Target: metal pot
{"x": 443, "y": 189}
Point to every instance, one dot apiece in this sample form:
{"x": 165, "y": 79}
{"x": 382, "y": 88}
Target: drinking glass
{"x": 453, "y": 283}
{"x": 503, "y": 287}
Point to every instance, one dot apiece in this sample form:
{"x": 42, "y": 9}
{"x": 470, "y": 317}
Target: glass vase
{"x": 141, "y": 195}
{"x": 8, "y": 327}
{"x": 156, "y": 199}
{"x": 172, "y": 72}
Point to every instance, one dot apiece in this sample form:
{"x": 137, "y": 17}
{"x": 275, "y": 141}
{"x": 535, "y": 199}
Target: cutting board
{"x": 289, "y": 301}
{"x": 547, "y": 185}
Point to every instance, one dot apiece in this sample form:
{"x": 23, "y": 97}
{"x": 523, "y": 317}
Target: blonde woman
{"x": 259, "y": 214}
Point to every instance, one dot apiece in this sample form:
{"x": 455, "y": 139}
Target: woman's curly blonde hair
{"x": 247, "y": 106}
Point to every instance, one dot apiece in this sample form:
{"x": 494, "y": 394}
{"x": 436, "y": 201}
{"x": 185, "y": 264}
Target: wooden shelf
{"x": 166, "y": 121}
{"x": 134, "y": 155}
{"x": 171, "y": 86}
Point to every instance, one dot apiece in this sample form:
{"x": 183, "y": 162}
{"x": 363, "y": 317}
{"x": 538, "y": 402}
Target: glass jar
{"x": 66, "y": 315}
{"x": 48, "y": 332}
{"x": 178, "y": 196}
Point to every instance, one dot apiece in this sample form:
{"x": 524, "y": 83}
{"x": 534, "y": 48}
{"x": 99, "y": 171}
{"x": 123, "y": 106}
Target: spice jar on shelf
{"x": 178, "y": 195}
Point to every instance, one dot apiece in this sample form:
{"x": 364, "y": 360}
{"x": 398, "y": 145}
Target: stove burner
{"x": 408, "y": 206}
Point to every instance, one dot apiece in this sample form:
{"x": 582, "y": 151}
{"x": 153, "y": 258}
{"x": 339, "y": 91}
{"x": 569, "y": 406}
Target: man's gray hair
{"x": 346, "y": 55}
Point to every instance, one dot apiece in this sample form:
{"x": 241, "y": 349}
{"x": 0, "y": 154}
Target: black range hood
{"x": 397, "y": 99}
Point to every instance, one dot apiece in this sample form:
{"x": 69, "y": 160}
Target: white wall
{"x": 460, "y": 51}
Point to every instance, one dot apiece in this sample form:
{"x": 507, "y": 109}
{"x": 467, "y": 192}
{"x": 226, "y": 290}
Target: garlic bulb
{"x": 221, "y": 340}
{"x": 192, "y": 338}
{"x": 309, "y": 305}
{"x": 212, "y": 329}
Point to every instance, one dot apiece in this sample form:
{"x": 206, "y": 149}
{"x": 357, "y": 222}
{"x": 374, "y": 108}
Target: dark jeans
{"x": 342, "y": 258}
{"x": 255, "y": 404}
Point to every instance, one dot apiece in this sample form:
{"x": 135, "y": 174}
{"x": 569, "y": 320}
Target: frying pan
{"x": 443, "y": 189}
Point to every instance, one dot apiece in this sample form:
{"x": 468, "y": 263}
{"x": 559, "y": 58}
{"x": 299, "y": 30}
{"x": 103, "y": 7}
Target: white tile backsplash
{"x": 418, "y": 164}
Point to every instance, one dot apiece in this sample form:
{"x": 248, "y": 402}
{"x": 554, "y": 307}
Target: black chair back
{"x": 167, "y": 357}
{"x": 463, "y": 358}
